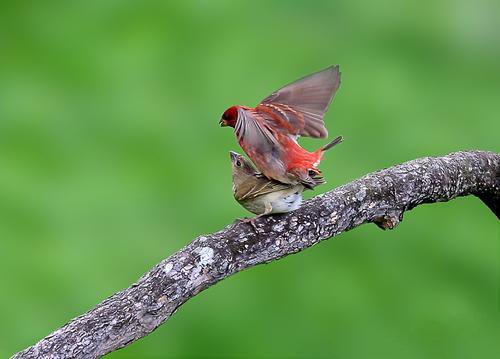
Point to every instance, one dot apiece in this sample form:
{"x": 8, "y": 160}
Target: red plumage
{"x": 268, "y": 133}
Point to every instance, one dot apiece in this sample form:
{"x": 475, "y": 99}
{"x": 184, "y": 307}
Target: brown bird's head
{"x": 241, "y": 167}
{"x": 244, "y": 176}
{"x": 229, "y": 117}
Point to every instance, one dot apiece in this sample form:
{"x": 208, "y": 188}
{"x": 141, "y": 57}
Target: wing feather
{"x": 303, "y": 103}
{"x": 252, "y": 130}
{"x": 263, "y": 186}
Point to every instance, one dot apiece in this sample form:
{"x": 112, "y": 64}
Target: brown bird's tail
{"x": 336, "y": 141}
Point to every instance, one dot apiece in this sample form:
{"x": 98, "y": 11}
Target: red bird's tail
{"x": 312, "y": 177}
{"x": 336, "y": 141}
{"x": 319, "y": 153}
{"x": 304, "y": 164}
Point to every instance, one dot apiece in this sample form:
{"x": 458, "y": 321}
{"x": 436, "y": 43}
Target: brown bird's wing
{"x": 301, "y": 105}
{"x": 258, "y": 187}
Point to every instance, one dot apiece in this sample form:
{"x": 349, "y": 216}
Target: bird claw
{"x": 250, "y": 221}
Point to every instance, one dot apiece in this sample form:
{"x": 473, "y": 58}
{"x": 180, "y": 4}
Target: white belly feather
{"x": 280, "y": 201}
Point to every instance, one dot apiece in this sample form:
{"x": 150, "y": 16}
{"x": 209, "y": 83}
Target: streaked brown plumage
{"x": 260, "y": 195}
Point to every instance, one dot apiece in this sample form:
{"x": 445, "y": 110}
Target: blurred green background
{"x": 111, "y": 158}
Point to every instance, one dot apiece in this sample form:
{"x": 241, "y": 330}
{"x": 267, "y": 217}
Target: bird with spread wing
{"x": 268, "y": 133}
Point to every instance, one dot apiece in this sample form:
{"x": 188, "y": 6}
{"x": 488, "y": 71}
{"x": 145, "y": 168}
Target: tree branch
{"x": 380, "y": 197}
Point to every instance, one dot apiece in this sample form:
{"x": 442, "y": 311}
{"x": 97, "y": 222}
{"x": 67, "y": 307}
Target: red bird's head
{"x": 229, "y": 117}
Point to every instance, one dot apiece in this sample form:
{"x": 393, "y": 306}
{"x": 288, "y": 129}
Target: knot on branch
{"x": 389, "y": 220}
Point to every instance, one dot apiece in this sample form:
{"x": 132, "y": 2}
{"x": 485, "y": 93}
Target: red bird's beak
{"x": 222, "y": 123}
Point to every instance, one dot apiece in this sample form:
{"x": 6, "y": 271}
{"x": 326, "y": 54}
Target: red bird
{"x": 268, "y": 133}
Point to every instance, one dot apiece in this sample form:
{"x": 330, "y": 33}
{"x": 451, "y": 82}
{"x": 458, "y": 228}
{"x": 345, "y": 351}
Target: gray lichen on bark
{"x": 380, "y": 197}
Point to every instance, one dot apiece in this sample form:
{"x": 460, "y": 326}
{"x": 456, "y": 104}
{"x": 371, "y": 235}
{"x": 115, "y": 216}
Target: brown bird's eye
{"x": 238, "y": 163}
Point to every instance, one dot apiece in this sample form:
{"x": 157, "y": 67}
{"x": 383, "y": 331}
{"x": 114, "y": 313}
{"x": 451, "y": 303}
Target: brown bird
{"x": 259, "y": 194}
{"x": 268, "y": 133}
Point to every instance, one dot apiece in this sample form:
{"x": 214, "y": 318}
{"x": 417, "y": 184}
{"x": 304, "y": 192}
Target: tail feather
{"x": 312, "y": 177}
{"x": 336, "y": 141}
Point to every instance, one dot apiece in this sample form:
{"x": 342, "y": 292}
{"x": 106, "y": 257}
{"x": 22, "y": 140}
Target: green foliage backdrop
{"x": 111, "y": 158}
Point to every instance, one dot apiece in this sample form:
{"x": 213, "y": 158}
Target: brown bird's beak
{"x": 233, "y": 155}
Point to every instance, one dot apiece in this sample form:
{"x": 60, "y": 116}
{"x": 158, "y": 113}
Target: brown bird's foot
{"x": 250, "y": 221}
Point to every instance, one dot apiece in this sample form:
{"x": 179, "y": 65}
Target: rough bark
{"x": 380, "y": 197}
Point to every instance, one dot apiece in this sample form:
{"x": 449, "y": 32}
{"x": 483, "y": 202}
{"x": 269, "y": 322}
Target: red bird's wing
{"x": 252, "y": 130}
{"x": 299, "y": 107}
